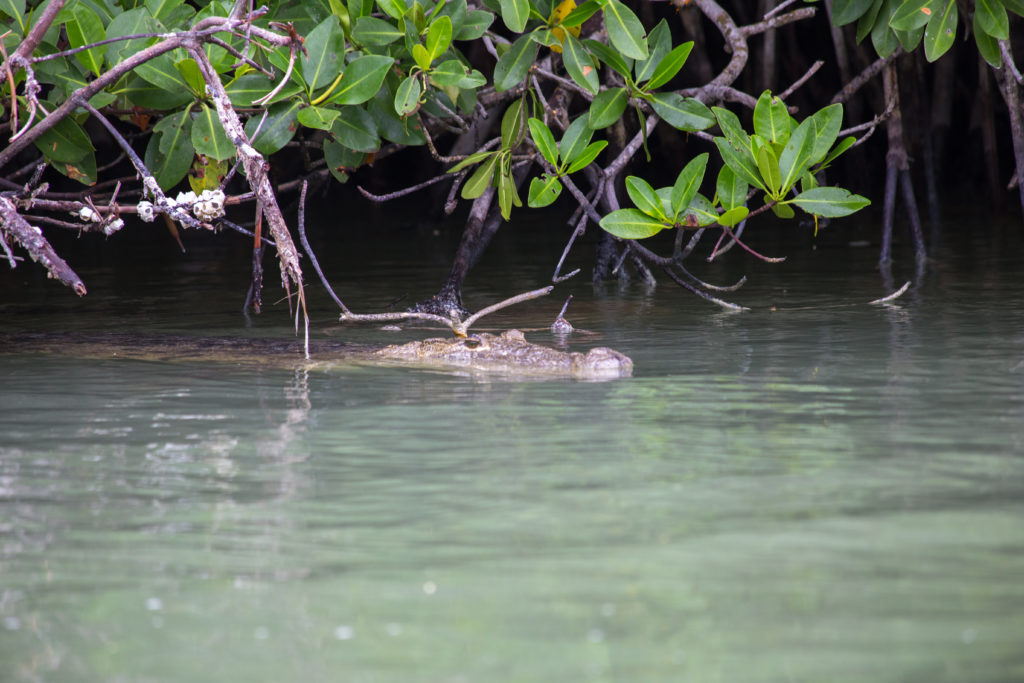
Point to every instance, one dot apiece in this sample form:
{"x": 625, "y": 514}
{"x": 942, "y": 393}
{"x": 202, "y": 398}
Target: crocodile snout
{"x": 602, "y": 362}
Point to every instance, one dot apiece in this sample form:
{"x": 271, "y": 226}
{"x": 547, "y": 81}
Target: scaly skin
{"x": 510, "y": 353}
{"x": 506, "y": 354}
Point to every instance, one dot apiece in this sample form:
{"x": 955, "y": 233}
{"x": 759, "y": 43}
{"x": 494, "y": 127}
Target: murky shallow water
{"x": 825, "y": 492}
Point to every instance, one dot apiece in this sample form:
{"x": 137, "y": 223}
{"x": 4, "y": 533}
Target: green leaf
{"x": 992, "y": 16}
{"x": 587, "y": 156}
{"x": 703, "y": 210}
{"x": 507, "y": 195}
{"x": 512, "y": 124}
{"x": 771, "y": 120}
{"x": 393, "y": 8}
{"x": 84, "y": 29}
{"x": 362, "y": 79}
{"x": 580, "y": 64}
{"x": 421, "y": 56}
{"x": 845, "y": 144}
{"x": 625, "y": 31}
{"x": 884, "y": 38}
{"x": 320, "y": 118}
{"x": 734, "y": 215}
{"x": 251, "y": 86}
{"x": 15, "y": 9}
{"x": 65, "y": 142}
{"x": 941, "y": 31}
{"x": 644, "y": 198}
{"x": 391, "y": 126}
{"x": 796, "y": 155}
{"x": 326, "y": 47}
{"x": 544, "y": 140}
{"x": 174, "y": 131}
{"x": 659, "y": 44}
{"x": 1015, "y": 6}
{"x": 607, "y": 108}
{"x": 670, "y": 65}
{"x": 142, "y": 93}
{"x": 576, "y": 138}
{"x": 481, "y": 179}
{"x": 845, "y": 11}
{"x": 161, "y": 72}
{"x": 831, "y": 202}
{"x": 544, "y": 191}
{"x": 683, "y": 113}
{"x": 356, "y": 129}
{"x": 687, "y": 184}
{"x": 581, "y": 13}
{"x": 341, "y": 160}
{"x": 407, "y": 98}
{"x": 374, "y": 31}
{"x": 208, "y": 136}
{"x": 911, "y": 14}
{"x": 472, "y": 80}
{"x": 513, "y": 66}
{"x": 868, "y": 20}
{"x": 609, "y": 57}
{"x": 732, "y": 190}
{"x": 826, "y": 125}
{"x": 439, "y": 36}
{"x": 988, "y": 47}
{"x": 909, "y": 40}
{"x": 630, "y": 224}
{"x": 83, "y": 170}
{"x": 515, "y": 13}
{"x": 169, "y": 153}
{"x": 476, "y": 23}
{"x": 741, "y": 161}
{"x": 128, "y": 23}
{"x": 733, "y": 130}
{"x": 768, "y": 165}
{"x": 784, "y": 211}
{"x": 450, "y": 72}
{"x": 189, "y": 70}
{"x": 470, "y": 160}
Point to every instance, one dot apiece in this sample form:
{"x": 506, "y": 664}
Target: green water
{"x": 830, "y": 491}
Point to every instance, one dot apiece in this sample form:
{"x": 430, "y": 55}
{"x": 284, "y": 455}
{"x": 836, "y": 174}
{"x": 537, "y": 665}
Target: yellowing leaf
{"x": 559, "y": 13}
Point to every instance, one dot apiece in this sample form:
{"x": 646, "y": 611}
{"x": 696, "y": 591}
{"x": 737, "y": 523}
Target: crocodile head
{"x": 510, "y": 353}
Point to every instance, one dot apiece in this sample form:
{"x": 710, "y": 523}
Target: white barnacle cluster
{"x": 207, "y": 206}
{"x": 147, "y": 213}
{"x": 87, "y": 214}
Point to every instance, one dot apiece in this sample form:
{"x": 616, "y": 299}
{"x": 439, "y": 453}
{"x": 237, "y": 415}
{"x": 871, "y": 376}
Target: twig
{"x": 309, "y": 251}
{"x": 803, "y": 79}
{"x": 381, "y": 198}
{"x": 771, "y": 22}
{"x": 287, "y": 76}
{"x": 895, "y": 295}
{"x": 519, "y": 298}
{"x": 864, "y": 76}
{"x": 775, "y": 10}
{"x": 31, "y": 238}
{"x": 702, "y": 294}
{"x": 767, "y": 259}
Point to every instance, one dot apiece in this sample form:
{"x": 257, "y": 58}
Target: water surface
{"x": 815, "y": 490}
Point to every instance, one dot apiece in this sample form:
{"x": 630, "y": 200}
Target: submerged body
{"x": 508, "y": 353}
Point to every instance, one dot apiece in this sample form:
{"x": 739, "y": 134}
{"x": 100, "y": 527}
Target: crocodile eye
{"x": 470, "y": 343}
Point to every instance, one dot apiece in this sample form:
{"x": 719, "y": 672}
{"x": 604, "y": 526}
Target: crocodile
{"x": 508, "y": 353}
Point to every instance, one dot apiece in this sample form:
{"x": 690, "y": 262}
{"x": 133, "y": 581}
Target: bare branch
{"x": 31, "y": 238}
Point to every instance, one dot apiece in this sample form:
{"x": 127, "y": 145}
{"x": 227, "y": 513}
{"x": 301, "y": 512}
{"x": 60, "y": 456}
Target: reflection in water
{"x": 817, "y": 492}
